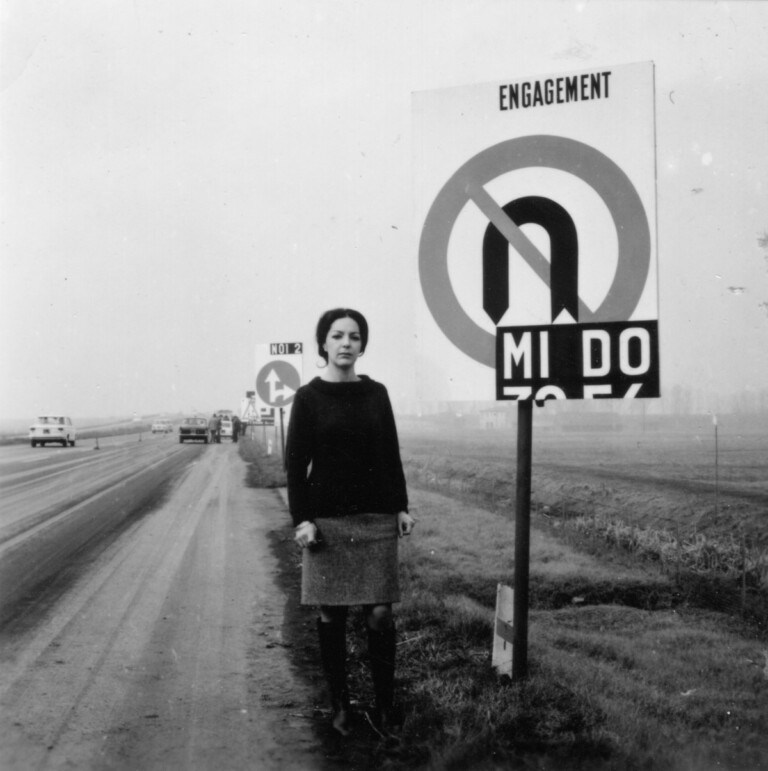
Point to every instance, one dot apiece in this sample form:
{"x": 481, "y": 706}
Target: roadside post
{"x": 503, "y": 633}
{"x": 717, "y": 469}
{"x": 538, "y": 256}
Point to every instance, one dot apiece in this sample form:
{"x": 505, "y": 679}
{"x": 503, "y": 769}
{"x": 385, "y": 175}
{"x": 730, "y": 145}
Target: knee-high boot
{"x": 381, "y": 652}
{"x": 333, "y": 654}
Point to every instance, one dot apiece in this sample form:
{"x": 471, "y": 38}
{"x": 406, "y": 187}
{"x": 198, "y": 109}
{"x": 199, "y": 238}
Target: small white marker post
{"x": 503, "y": 634}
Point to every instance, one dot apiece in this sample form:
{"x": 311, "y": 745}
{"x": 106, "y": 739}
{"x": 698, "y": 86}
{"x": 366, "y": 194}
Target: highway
{"x": 141, "y": 614}
{"x": 55, "y": 500}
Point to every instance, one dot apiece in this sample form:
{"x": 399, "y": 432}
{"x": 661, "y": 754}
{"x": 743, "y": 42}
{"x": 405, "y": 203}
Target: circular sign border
{"x": 606, "y": 178}
{"x": 272, "y": 363}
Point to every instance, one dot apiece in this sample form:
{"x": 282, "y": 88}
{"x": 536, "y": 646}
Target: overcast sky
{"x": 182, "y": 181}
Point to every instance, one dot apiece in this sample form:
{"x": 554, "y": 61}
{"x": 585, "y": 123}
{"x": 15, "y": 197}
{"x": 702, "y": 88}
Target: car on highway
{"x": 57, "y": 429}
{"x": 194, "y": 429}
{"x": 162, "y": 426}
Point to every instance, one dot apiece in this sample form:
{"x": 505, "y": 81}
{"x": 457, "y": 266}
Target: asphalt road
{"x": 142, "y": 618}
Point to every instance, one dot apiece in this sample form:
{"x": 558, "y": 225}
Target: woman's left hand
{"x": 405, "y": 523}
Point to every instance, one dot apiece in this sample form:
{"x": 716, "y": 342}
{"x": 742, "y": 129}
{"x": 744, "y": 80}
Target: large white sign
{"x": 537, "y": 254}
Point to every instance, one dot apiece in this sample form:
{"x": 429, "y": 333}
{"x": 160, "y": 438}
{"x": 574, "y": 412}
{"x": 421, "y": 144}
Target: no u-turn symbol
{"x": 586, "y": 352}
{"x": 561, "y": 273}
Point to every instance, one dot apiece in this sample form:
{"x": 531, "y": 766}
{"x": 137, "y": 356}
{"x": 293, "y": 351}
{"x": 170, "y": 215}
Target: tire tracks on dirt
{"x": 168, "y": 652}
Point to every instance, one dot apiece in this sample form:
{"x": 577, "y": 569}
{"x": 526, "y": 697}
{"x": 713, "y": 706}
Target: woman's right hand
{"x": 305, "y": 534}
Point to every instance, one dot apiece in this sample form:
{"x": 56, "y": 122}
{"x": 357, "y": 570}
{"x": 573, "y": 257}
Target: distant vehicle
{"x": 195, "y": 429}
{"x": 162, "y": 426}
{"x": 226, "y": 426}
{"x": 52, "y": 428}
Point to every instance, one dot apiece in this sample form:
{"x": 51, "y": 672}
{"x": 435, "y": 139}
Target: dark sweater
{"x": 347, "y": 432}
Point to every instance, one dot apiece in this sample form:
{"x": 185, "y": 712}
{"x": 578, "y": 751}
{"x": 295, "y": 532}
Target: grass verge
{"x": 622, "y": 676}
{"x": 611, "y": 686}
{"x": 263, "y": 470}
{"x": 717, "y": 570}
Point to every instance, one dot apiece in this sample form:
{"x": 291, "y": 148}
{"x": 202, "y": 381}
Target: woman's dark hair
{"x": 326, "y": 321}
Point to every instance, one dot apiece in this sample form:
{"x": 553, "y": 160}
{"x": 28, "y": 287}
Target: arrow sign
{"x": 278, "y": 393}
{"x": 277, "y": 382}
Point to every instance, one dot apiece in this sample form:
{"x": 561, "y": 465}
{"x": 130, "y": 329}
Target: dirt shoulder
{"x": 230, "y": 694}
{"x": 175, "y": 647}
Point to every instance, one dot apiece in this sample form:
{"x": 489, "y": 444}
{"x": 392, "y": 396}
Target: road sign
{"x": 578, "y": 361}
{"x": 277, "y": 382}
{"x": 283, "y": 349}
{"x": 539, "y": 247}
{"x": 278, "y": 375}
{"x": 248, "y": 409}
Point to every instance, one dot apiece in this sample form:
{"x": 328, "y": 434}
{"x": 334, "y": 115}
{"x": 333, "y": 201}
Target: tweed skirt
{"x": 356, "y": 563}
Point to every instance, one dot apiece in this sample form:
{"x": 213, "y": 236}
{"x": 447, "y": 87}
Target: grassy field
{"x": 658, "y": 496}
{"x": 637, "y": 682}
{"x": 634, "y": 663}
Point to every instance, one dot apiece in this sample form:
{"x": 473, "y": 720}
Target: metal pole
{"x": 282, "y": 437}
{"x": 522, "y": 539}
{"x": 717, "y": 473}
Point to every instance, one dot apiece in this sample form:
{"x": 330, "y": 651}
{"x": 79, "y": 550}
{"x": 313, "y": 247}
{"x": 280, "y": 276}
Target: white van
{"x": 226, "y": 426}
{"x": 52, "y": 428}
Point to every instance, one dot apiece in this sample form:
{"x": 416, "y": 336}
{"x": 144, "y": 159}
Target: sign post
{"x": 522, "y": 539}
{"x": 537, "y": 255}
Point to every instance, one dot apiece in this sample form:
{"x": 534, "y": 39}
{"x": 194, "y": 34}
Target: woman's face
{"x": 343, "y": 343}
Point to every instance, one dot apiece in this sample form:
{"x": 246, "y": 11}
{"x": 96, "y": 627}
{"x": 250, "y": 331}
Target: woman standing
{"x": 348, "y": 501}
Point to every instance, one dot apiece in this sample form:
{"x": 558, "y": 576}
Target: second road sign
{"x": 278, "y": 373}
